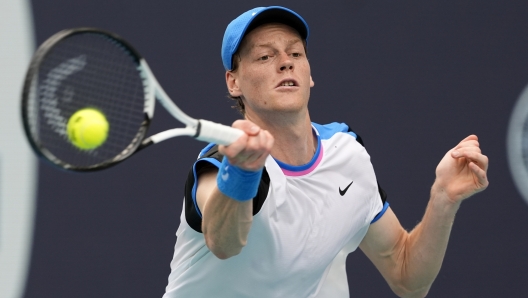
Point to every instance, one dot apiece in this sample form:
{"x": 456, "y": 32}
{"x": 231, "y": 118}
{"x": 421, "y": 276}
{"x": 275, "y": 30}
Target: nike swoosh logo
{"x": 225, "y": 176}
{"x": 342, "y": 192}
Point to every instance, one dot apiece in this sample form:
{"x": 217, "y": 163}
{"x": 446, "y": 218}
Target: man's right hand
{"x": 250, "y": 151}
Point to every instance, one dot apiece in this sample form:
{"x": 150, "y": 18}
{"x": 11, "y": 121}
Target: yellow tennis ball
{"x": 87, "y": 129}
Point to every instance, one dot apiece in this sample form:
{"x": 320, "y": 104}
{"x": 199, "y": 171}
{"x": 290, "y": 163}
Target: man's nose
{"x": 286, "y": 62}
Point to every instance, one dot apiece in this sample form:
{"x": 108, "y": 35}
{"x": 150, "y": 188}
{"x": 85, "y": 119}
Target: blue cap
{"x": 249, "y": 20}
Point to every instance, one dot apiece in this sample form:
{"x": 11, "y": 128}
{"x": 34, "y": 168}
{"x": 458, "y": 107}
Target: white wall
{"x": 18, "y": 169}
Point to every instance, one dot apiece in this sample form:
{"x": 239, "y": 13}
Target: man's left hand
{"x": 463, "y": 171}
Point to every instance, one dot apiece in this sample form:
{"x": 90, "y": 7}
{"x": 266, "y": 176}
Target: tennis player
{"x": 275, "y": 213}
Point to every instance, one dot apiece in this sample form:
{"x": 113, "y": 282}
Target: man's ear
{"x": 232, "y": 84}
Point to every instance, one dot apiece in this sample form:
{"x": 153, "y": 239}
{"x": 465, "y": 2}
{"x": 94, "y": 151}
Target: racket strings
{"x": 87, "y": 70}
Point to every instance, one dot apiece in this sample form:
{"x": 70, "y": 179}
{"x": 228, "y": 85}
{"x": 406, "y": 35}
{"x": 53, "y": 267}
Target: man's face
{"x": 273, "y": 73}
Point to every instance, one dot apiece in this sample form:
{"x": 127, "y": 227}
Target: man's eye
{"x": 266, "y": 57}
{"x": 296, "y": 55}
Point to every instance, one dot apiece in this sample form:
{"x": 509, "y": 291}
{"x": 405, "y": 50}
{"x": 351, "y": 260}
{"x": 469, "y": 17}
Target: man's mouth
{"x": 287, "y": 83}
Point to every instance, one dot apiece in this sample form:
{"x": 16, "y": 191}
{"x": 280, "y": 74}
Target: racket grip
{"x": 220, "y": 134}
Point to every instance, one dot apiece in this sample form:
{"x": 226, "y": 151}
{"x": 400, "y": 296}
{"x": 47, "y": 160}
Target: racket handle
{"x": 220, "y": 134}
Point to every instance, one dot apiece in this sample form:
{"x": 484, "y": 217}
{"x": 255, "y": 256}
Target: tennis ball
{"x": 87, "y": 129}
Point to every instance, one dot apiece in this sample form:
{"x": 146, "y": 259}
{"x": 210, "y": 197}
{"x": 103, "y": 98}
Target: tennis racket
{"x": 92, "y": 68}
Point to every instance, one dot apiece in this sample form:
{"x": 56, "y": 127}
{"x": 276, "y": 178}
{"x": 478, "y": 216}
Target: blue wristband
{"x": 236, "y": 183}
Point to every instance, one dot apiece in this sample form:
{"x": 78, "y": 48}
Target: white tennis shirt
{"x": 310, "y": 218}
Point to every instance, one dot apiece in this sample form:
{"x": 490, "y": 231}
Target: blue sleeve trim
{"x": 328, "y": 130}
{"x": 352, "y": 134}
{"x": 380, "y": 214}
{"x": 204, "y": 150}
{"x": 195, "y": 186}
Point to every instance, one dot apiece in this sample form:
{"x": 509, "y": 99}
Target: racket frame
{"x": 199, "y": 129}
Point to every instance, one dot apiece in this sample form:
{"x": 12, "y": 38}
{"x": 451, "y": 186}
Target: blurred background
{"x": 412, "y": 78}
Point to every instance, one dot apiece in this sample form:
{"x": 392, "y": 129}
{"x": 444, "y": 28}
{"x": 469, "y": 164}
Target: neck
{"x": 295, "y": 143}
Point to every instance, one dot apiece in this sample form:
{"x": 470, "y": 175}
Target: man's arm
{"x": 411, "y": 261}
{"x": 226, "y": 222}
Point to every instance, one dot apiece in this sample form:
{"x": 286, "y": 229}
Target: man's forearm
{"x": 426, "y": 245}
{"x": 226, "y": 224}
